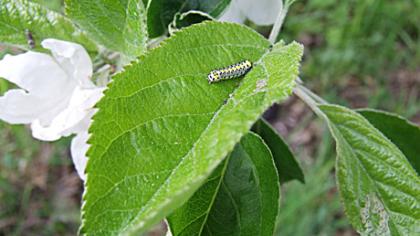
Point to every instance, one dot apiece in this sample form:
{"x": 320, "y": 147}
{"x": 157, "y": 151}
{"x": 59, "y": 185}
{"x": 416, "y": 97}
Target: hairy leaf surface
{"x": 241, "y": 197}
{"x": 379, "y": 187}
{"x": 161, "y": 128}
{"x": 20, "y": 18}
{"x": 286, "y": 163}
{"x": 400, "y": 131}
{"x": 118, "y": 25}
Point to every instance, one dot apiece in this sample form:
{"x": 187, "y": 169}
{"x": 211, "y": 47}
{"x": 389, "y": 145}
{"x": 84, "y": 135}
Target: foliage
{"x": 286, "y": 164}
{"x": 313, "y": 208}
{"x": 20, "y": 17}
{"x": 166, "y": 144}
{"x": 194, "y": 131}
{"x": 119, "y": 25}
{"x": 161, "y": 12}
{"x": 238, "y": 198}
{"x": 379, "y": 188}
{"x": 400, "y": 131}
{"x": 360, "y": 53}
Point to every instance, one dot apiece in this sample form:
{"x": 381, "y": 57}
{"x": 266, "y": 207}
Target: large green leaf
{"x": 241, "y": 197}
{"x": 161, "y": 12}
{"x": 19, "y": 18}
{"x": 161, "y": 128}
{"x": 400, "y": 131}
{"x": 118, "y": 25}
{"x": 379, "y": 187}
{"x": 286, "y": 164}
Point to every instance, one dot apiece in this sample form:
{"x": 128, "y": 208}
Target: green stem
{"x": 279, "y": 22}
{"x": 306, "y": 96}
{"x": 317, "y": 98}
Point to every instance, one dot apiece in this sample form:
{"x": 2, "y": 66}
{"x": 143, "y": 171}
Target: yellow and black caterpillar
{"x": 230, "y": 72}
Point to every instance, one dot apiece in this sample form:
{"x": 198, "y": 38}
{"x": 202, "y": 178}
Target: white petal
{"x": 73, "y": 58}
{"x": 75, "y": 118}
{"x": 78, "y": 151}
{"x": 233, "y": 13}
{"x": 262, "y": 12}
{"x": 46, "y": 84}
{"x": 19, "y": 107}
{"x": 34, "y": 72}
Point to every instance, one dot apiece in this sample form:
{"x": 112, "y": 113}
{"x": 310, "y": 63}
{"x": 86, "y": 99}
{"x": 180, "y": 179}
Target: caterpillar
{"x": 230, "y": 72}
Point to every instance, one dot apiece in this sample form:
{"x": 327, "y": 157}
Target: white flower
{"x": 56, "y": 95}
{"x": 262, "y": 12}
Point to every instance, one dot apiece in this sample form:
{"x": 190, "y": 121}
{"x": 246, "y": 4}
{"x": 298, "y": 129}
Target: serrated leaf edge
{"x": 335, "y": 133}
{"x": 134, "y": 226}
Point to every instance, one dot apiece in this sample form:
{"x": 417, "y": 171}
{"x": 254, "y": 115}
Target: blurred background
{"x": 358, "y": 53}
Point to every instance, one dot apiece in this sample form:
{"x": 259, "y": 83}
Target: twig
{"x": 279, "y": 21}
{"x": 302, "y": 93}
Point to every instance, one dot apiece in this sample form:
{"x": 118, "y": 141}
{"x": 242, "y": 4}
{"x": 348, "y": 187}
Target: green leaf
{"x": 379, "y": 188}
{"x": 182, "y": 20}
{"x": 161, "y": 12}
{"x": 161, "y": 128}
{"x": 241, "y": 197}
{"x": 400, "y": 131}
{"x": 118, "y": 25}
{"x": 19, "y": 18}
{"x": 286, "y": 163}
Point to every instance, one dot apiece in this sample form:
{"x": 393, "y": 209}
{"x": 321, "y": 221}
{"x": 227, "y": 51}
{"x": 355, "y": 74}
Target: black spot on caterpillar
{"x": 230, "y": 72}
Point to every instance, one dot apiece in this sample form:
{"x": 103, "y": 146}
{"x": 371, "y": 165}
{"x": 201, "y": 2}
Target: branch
{"x": 279, "y": 21}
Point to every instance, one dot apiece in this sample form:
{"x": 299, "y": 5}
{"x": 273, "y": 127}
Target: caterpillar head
{"x": 213, "y": 77}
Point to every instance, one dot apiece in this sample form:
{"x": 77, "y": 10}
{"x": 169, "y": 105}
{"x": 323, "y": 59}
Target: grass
{"x": 39, "y": 190}
{"x": 365, "y": 42}
{"x": 358, "y": 53}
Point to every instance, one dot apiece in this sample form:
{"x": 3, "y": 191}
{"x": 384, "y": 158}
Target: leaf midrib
{"x": 202, "y": 214}
{"x": 235, "y": 205}
{"x": 181, "y": 114}
{"x": 199, "y": 178}
{"x": 174, "y": 169}
{"x": 222, "y": 176}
